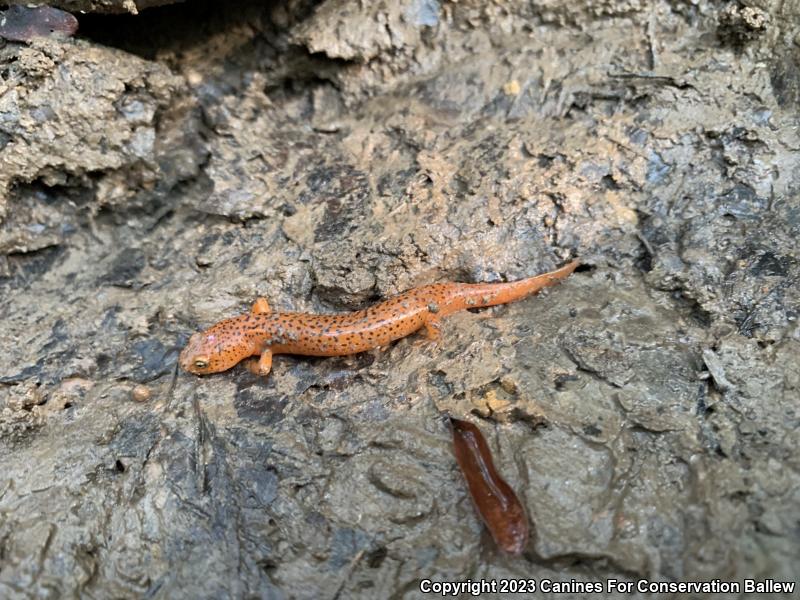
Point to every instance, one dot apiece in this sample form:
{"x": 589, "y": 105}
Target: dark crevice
{"x": 76, "y": 188}
{"x": 174, "y": 28}
{"x": 607, "y": 182}
{"x": 693, "y": 310}
{"x": 23, "y": 268}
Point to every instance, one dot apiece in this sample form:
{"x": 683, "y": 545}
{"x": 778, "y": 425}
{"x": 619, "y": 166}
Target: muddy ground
{"x": 160, "y": 171}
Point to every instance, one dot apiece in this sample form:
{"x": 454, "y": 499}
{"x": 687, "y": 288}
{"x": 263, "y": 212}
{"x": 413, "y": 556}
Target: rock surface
{"x": 160, "y": 172}
{"x": 97, "y": 6}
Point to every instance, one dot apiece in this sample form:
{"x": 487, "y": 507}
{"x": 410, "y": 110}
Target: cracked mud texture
{"x": 159, "y": 172}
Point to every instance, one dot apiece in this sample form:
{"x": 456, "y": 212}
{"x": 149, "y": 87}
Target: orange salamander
{"x": 264, "y": 333}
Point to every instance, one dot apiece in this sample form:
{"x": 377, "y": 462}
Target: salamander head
{"x": 216, "y": 349}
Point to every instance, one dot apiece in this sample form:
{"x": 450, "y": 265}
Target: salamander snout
{"x": 216, "y": 349}
{"x": 194, "y": 358}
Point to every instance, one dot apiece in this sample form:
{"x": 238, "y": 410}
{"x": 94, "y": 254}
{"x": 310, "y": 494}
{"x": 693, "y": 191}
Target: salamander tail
{"x": 491, "y": 294}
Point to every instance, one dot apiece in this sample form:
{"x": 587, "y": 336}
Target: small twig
{"x": 646, "y": 243}
{"x": 346, "y": 575}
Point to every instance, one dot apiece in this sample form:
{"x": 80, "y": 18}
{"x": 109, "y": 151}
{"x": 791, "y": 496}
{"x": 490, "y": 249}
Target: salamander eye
{"x": 200, "y": 363}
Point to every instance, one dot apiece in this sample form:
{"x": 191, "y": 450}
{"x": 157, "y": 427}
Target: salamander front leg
{"x": 260, "y": 306}
{"x": 263, "y": 365}
{"x": 433, "y": 329}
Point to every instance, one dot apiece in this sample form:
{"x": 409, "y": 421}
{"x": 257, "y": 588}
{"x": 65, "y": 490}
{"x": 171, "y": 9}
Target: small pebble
{"x": 512, "y": 88}
{"x": 141, "y": 393}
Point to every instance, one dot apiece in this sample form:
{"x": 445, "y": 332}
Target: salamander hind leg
{"x": 263, "y": 365}
{"x": 433, "y": 329}
{"x": 260, "y": 307}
